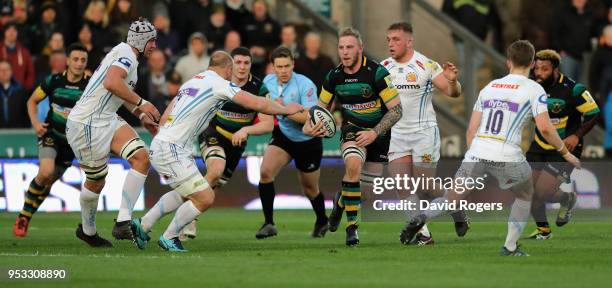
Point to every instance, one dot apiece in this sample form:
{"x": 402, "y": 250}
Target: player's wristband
{"x": 140, "y": 102}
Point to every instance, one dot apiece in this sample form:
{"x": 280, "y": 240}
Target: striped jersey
{"x": 197, "y": 102}
{"x": 507, "y": 104}
{"x": 414, "y": 83}
{"x": 97, "y": 106}
{"x": 362, "y": 96}
{"x": 63, "y": 95}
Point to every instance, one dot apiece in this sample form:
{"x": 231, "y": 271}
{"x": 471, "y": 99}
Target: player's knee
{"x": 95, "y": 186}
{"x": 140, "y": 161}
{"x": 203, "y": 200}
{"x": 213, "y": 176}
{"x": 45, "y": 177}
{"x": 353, "y": 171}
{"x": 311, "y": 191}
{"x": 266, "y": 175}
{"x": 135, "y": 152}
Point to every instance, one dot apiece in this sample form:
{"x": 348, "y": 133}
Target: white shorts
{"x": 92, "y": 145}
{"x": 508, "y": 174}
{"x": 177, "y": 166}
{"x": 424, "y": 146}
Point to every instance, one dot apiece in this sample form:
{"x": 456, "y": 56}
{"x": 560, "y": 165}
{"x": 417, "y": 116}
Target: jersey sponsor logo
{"x": 360, "y": 106}
{"x": 500, "y": 104}
{"x": 408, "y": 86}
{"x": 235, "y": 115}
{"x": 411, "y": 77}
{"x": 190, "y": 92}
{"x": 505, "y": 86}
{"x": 350, "y": 80}
{"x": 125, "y": 61}
{"x": 64, "y": 111}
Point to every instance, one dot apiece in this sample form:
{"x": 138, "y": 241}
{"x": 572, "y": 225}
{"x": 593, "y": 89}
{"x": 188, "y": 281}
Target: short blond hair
{"x": 549, "y": 55}
{"x": 350, "y": 31}
{"x": 99, "y": 4}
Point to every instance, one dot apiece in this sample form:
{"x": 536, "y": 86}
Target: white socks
{"x": 517, "y": 222}
{"x": 89, "y": 206}
{"x": 134, "y": 181}
{"x": 184, "y": 215}
{"x": 166, "y": 204}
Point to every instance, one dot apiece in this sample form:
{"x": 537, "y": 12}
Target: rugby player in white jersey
{"x": 187, "y": 116}
{"x": 94, "y": 131}
{"x": 505, "y": 105}
{"x": 415, "y": 138}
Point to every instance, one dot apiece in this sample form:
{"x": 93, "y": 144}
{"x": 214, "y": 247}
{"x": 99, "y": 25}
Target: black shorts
{"x": 210, "y": 137}
{"x": 377, "y": 151}
{"x": 552, "y": 163}
{"x": 64, "y": 156}
{"x": 307, "y": 154}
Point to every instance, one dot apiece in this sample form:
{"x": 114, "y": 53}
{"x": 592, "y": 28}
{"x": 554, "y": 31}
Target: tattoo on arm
{"x": 390, "y": 118}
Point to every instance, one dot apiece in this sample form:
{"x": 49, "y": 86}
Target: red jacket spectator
{"x": 19, "y": 57}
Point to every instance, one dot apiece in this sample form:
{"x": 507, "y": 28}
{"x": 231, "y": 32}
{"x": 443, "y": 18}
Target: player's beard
{"x": 353, "y": 62}
{"x": 548, "y": 81}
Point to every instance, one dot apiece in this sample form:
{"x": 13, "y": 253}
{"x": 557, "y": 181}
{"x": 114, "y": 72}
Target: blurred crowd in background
{"x": 35, "y": 33}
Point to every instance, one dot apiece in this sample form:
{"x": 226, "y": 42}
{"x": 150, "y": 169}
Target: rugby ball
{"x": 320, "y": 114}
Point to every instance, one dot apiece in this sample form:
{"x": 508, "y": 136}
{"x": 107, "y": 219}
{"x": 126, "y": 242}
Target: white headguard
{"x": 141, "y": 31}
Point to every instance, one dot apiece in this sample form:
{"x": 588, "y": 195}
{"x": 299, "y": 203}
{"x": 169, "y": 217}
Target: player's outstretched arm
{"x": 301, "y": 117}
{"x": 266, "y": 106}
{"x": 473, "y": 127}
{"x": 551, "y": 136}
{"x": 37, "y": 96}
{"x": 113, "y": 82}
{"x": 265, "y": 125}
{"x": 447, "y": 81}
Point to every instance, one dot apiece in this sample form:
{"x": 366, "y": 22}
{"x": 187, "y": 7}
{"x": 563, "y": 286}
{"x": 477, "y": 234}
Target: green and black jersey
{"x": 63, "y": 95}
{"x": 232, "y": 117}
{"x": 572, "y": 110}
{"x": 361, "y": 96}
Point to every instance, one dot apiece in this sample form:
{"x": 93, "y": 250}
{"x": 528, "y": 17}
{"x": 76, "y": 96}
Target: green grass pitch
{"x": 226, "y": 254}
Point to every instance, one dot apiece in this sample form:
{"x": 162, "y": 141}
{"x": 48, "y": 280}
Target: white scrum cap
{"x": 141, "y": 31}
